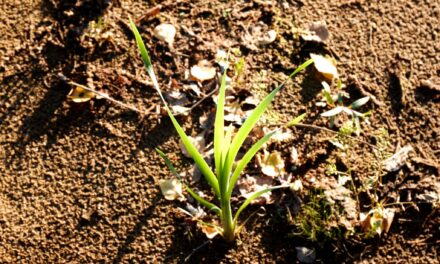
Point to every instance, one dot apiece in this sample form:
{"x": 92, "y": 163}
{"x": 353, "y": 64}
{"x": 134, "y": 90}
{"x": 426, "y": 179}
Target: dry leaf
{"x": 395, "y": 162}
{"x": 280, "y": 136}
{"x": 326, "y": 67}
{"x": 209, "y": 230}
{"x": 180, "y": 110}
{"x": 272, "y": 164}
{"x": 80, "y": 95}
{"x": 171, "y": 189}
{"x": 248, "y": 185}
{"x": 202, "y": 71}
{"x": 165, "y": 32}
{"x": 222, "y": 58}
{"x": 318, "y": 32}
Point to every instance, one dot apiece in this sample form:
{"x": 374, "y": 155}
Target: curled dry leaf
{"x": 202, "y": 71}
{"x": 326, "y": 67}
{"x": 180, "y": 110}
{"x": 165, "y": 32}
{"x": 281, "y": 136}
{"x": 395, "y": 162}
{"x": 272, "y": 164}
{"x": 80, "y": 95}
{"x": 171, "y": 189}
{"x": 247, "y": 185}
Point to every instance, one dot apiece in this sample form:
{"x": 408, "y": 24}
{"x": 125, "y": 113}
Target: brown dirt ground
{"x": 79, "y": 183}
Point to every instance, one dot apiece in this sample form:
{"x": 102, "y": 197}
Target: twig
{"x": 200, "y": 101}
{"x": 106, "y": 96}
{"x": 334, "y": 132}
{"x": 195, "y": 250}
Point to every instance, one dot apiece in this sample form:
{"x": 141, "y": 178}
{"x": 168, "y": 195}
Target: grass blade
{"x": 246, "y": 159}
{"x": 246, "y": 128}
{"x": 199, "y": 199}
{"x": 219, "y": 125}
{"x": 146, "y": 58}
{"x": 197, "y": 157}
{"x": 301, "y": 67}
{"x": 296, "y": 120}
{"x": 203, "y": 202}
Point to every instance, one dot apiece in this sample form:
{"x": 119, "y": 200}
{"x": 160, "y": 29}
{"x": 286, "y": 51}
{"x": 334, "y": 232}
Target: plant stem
{"x": 227, "y": 221}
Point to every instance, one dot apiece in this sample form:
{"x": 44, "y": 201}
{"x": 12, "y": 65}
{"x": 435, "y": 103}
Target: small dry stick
{"x": 106, "y": 96}
{"x": 195, "y": 250}
{"x": 331, "y": 131}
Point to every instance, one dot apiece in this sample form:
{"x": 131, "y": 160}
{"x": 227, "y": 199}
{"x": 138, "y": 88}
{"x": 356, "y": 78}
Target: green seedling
{"x": 338, "y": 107}
{"x": 226, "y": 148}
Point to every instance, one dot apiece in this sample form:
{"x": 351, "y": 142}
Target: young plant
{"x": 338, "y": 107}
{"x": 226, "y": 148}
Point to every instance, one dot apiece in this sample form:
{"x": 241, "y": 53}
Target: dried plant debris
{"x": 171, "y": 189}
{"x": 238, "y": 109}
{"x": 377, "y": 220}
{"x": 317, "y": 32}
{"x": 209, "y": 230}
{"x": 247, "y": 185}
{"x": 271, "y": 163}
{"x": 165, "y": 32}
{"x": 326, "y": 67}
{"x": 395, "y": 162}
{"x": 203, "y": 71}
{"x": 258, "y": 36}
{"x": 80, "y": 95}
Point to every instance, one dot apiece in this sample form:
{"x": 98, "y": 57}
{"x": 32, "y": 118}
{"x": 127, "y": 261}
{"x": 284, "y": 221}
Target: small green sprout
{"x": 226, "y": 148}
{"x": 335, "y": 101}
